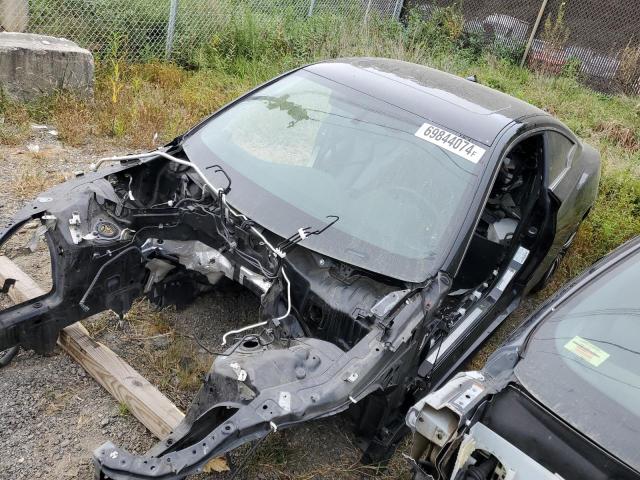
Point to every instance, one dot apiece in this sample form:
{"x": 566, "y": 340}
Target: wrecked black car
{"x": 560, "y": 399}
{"x": 389, "y": 216}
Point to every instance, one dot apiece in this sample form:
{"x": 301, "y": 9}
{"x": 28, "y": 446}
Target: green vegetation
{"x": 123, "y": 409}
{"x": 135, "y": 101}
{"x": 142, "y": 24}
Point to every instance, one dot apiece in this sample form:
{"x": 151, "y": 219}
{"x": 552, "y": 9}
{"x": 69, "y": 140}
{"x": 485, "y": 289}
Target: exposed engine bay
{"x": 450, "y": 439}
{"x": 328, "y": 336}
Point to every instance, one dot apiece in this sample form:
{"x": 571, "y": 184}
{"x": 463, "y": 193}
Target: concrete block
{"x": 34, "y": 65}
{"x": 14, "y": 15}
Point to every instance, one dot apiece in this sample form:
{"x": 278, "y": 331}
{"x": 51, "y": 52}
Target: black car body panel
{"x": 544, "y": 437}
{"x": 332, "y": 334}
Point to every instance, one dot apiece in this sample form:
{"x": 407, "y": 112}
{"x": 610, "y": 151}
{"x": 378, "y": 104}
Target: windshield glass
{"x": 305, "y": 148}
{"x": 583, "y": 361}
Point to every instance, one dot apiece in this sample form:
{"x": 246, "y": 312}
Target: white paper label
{"x": 521, "y": 255}
{"x": 506, "y": 278}
{"x": 451, "y": 142}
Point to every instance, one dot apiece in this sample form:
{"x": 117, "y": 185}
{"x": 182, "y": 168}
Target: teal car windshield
{"x": 305, "y": 148}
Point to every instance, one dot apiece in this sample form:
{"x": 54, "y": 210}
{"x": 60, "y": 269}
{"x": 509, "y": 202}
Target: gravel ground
{"x": 52, "y": 414}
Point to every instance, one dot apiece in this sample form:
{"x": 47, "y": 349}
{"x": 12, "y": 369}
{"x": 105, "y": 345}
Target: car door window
{"x": 559, "y": 152}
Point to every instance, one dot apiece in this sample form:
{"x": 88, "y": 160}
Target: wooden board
{"x": 123, "y": 382}
{"x": 144, "y": 401}
{"x": 25, "y": 288}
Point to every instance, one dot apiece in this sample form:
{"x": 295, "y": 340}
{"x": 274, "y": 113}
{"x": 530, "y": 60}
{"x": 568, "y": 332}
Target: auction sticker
{"x": 586, "y": 351}
{"x": 451, "y": 142}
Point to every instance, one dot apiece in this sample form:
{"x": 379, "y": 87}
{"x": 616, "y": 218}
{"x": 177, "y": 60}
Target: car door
{"x": 571, "y": 176}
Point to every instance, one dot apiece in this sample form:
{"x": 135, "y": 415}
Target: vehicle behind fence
{"x": 597, "y": 42}
{"x": 585, "y": 39}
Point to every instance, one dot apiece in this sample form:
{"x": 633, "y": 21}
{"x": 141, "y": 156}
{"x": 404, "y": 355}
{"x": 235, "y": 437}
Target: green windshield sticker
{"x": 586, "y": 351}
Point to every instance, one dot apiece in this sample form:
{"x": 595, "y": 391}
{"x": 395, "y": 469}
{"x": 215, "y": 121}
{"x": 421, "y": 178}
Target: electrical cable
{"x": 263, "y": 323}
{"x": 216, "y": 352}
{"x": 288, "y": 312}
{"x": 6, "y": 356}
{"x": 303, "y": 233}
{"x": 99, "y": 272}
{"x": 243, "y": 329}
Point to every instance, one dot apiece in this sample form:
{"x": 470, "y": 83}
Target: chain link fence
{"x": 580, "y": 38}
{"x": 596, "y": 43}
{"x": 157, "y": 28}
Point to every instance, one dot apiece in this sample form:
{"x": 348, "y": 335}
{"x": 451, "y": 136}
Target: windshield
{"x": 583, "y": 361}
{"x": 305, "y": 148}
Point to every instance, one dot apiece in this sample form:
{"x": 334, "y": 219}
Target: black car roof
{"x": 452, "y": 102}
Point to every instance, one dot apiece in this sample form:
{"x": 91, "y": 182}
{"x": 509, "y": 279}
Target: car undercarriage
{"x": 328, "y": 336}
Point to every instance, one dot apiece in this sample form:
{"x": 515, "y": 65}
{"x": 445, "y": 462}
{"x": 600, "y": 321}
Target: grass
{"x": 279, "y": 457}
{"x": 33, "y": 178}
{"x": 14, "y": 123}
{"x": 123, "y": 409}
{"x": 174, "y": 358}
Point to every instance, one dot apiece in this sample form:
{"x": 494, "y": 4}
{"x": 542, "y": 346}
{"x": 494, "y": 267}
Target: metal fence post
{"x": 312, "y": 5}
{"x": 171, "y": 28}
{"x": 397, "y": 9}
{"x": 366, "y": 13}
{"x": 533, "y": 32}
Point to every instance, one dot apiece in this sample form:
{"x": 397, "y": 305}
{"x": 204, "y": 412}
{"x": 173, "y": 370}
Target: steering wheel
{"x": 412, "y": 195}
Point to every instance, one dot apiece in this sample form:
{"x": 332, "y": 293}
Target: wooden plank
{"x": 144, "y": 401}
{"x": 25, "y": 288}
{"x": 123, "y": 382}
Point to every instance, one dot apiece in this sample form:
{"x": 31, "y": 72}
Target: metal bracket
{"x": 8, "y": 283}
{"x": 74, "y": 228}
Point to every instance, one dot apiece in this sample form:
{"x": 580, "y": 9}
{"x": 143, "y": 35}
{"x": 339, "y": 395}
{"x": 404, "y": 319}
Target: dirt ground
{"x": 53, "y": 415}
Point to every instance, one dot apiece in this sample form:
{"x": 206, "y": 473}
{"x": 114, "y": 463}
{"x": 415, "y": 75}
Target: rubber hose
{"x": 7, "y": 355}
